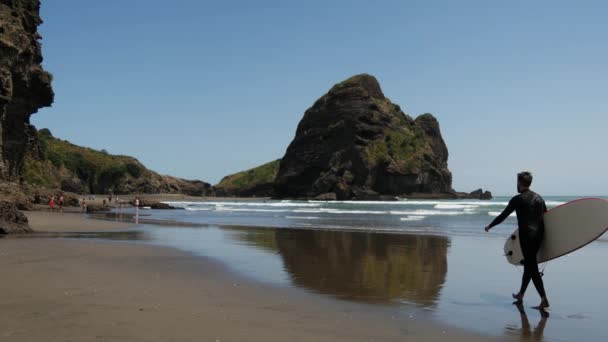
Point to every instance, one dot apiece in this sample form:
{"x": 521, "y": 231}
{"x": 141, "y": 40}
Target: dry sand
{"x": 82, "y": 290}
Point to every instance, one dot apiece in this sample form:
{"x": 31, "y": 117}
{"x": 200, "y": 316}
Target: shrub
{"x": 134, "y": 170}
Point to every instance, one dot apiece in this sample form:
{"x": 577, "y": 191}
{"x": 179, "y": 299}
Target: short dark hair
{"x": 525, "y": 178}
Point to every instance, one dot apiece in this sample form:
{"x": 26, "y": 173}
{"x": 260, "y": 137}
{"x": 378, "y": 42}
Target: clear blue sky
{"x": 202, "y": 89}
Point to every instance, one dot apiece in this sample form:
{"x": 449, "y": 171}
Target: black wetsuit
{"x": 530, "y": 208}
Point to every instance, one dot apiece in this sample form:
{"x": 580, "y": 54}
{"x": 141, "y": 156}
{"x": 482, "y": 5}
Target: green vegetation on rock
{"x": 60, "y": 165}
{"x": 244, "y": 181}
{"x": 95, "y": 171}
{"x": 405, "y": 148}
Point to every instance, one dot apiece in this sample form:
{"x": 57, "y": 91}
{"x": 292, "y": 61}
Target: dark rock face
{"x": 95, "y": 208}
{"x": 24, "y": 85}
{"x": 480, "y": 194}
{"x": 354, "y": 143}
{"x": 155, "y": 204}
{"x": 12, "y": 220}
{"x": 153, "y": 183}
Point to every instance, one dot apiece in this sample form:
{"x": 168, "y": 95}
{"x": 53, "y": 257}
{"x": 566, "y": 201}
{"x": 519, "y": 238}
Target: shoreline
{"x": 125, "y": 291}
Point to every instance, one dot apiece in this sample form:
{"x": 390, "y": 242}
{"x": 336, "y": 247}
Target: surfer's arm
{"x": 505, "y": 213}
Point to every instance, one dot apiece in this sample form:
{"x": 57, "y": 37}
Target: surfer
{"x": 530, "y": 208}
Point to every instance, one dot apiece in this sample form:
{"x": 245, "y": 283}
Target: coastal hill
{"x": 58, "y": 164}
{"x": 354, "y": 143}
{"x": 258, "y": 182}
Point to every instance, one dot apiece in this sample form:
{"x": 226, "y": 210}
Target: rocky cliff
{"x": 354, "y": 143}
{"x": 24, "y": 85}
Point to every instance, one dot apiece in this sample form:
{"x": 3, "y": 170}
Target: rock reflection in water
{"x": 374, "y": 267}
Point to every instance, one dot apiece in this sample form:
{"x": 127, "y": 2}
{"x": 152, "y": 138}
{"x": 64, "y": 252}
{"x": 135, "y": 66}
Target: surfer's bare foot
{"x": 518, "y": 298}
{"x": 544, "y": 303}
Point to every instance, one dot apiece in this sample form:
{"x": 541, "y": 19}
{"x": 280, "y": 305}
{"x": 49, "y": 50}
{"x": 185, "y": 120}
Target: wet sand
{"x": 69, "y": 222}
{"x": 83, "y": 290}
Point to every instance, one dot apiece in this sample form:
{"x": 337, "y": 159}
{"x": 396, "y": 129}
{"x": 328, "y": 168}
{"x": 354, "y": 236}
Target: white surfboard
{"x": 568, "y": 227}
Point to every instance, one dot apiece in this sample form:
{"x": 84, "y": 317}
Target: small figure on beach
{"x": 530, "y": 208}
{"x": 83, "y": 205}
{"x": 52, "y": 203}
{"x": 61, "y": 202}
{"x": 136, "y": 202}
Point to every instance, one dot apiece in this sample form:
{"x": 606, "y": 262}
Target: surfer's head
{"x": 524, "y": 180}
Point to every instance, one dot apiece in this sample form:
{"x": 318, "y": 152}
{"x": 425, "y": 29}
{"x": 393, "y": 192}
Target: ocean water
{"x": 438, "y": 217}
{"x": 415, "y": 258}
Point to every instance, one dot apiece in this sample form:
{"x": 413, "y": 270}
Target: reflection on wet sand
{"x": 361, "y": 266}
{"x": 526, "y": 332}
{"x": 138, "y": 218}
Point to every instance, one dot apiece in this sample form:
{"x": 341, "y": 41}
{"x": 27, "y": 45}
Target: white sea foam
{"x": 357, "y": 202}
{"x": 198, "y": 209}
{"x": 303, "y": 217}
{"x": 264, "y": 204}
{"x": 423, "y": 212}
{"x": 412, "y": 218}
{"x": 307, "y": 211}
{"x": 455, "y": 206}
{"x": 341, "y": 211}
{"x": 222, "y": 208}
{"x": 553, "y": 203}
{"x": 496, "y": 213}
{"x": 243, "y": 204}
{"x": 454, "y": 202}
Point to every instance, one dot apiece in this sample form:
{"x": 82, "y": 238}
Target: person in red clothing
{"x": 52, "y": 203}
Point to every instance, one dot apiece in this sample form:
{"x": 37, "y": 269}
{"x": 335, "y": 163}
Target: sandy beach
{"x": 81, "y": 290}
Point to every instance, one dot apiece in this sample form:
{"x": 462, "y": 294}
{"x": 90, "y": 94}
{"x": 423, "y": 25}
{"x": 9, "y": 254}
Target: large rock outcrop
{"x": 24, "y": 85}
{"x": 12, "y": 220}
{"x": 354, "y": 143}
